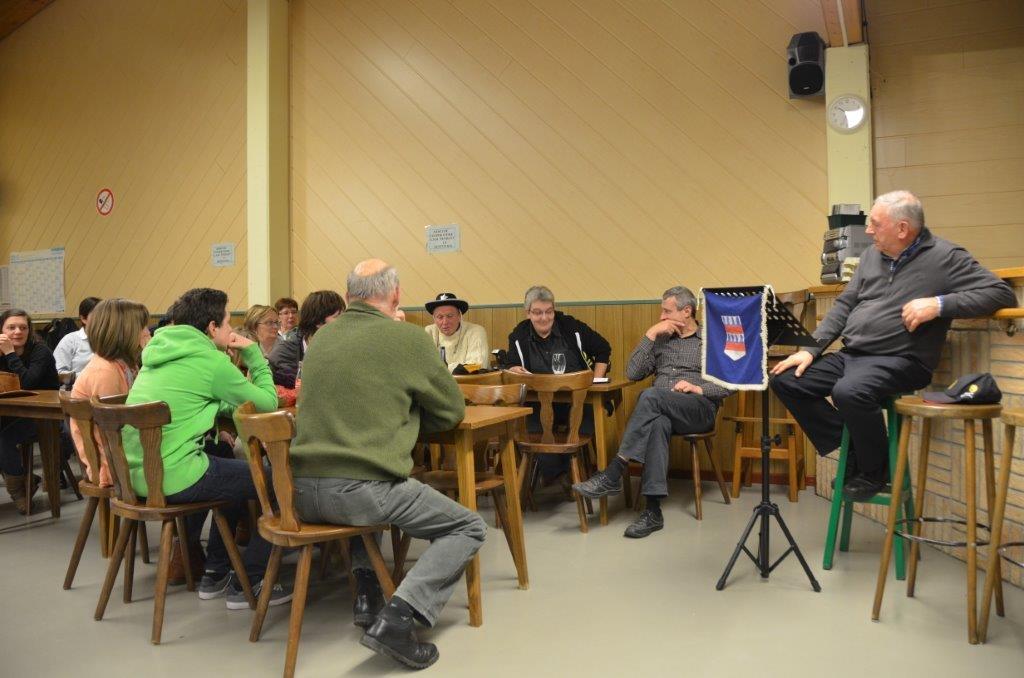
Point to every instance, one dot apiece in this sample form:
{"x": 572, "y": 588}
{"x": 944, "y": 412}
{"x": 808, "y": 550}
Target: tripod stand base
{"x": 764, "y": 511}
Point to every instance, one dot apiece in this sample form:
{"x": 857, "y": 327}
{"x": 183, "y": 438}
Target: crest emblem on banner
{"x": 735, "y": 345}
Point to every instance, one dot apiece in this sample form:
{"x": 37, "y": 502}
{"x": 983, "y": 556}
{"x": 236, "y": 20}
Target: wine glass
{"x": 558, "y": 363}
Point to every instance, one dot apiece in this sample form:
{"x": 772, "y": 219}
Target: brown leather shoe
{"x": 176, "y": 570}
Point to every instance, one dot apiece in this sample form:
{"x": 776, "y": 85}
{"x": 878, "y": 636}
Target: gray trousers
{"x": 659, "y": 413}
{"x": 455, "y": 533}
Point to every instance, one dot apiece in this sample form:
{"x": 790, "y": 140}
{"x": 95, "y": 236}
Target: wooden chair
{"x": 80, "y": 410}
{"x": 149, "y": 418}
{"x": 747, "y": 444}
{"x": 546, "y": 442}
{"x": 270, "y": 434}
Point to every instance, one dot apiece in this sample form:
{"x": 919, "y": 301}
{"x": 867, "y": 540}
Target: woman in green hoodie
{"x": 185, "y": 365}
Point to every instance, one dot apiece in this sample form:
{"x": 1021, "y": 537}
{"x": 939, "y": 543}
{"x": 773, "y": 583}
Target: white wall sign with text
{"x": 223, "y": 254}
{"x": 444, "y": 238}
{"x": 37, "y": 280}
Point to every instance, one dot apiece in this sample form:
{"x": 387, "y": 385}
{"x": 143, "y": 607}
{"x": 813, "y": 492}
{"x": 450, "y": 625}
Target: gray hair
{"x": 535, "y": 294}
{"x": 683, "y": 296}
{"x": 903, "y": 206}
{"x": 377, "y": 285}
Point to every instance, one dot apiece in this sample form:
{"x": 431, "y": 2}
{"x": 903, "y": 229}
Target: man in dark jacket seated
{"x": 892, "y": 317}
{"x": 533, "y": 347}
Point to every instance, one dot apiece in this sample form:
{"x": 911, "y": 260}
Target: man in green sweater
{"x": 186, "y": 367}
{"x": 369, "y": 386}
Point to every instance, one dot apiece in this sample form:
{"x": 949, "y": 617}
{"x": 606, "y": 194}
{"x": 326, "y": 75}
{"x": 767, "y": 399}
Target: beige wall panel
{"x": 948, "y": 83}
{"x": 145, "y": 98}
{"x": 607, "y": 149}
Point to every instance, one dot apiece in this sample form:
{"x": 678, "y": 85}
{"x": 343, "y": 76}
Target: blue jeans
{"x": 230, "y": 480}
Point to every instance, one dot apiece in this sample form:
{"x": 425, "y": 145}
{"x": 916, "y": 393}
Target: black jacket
{"x": 592, "y": 347}
{"x": 868, "y": 314}
{"x": 36, "y": 367}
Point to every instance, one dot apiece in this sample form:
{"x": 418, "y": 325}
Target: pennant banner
{"x": 736, "y": 334}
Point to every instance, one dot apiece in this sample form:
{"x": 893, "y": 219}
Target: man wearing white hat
{"x": 459, "y": 342}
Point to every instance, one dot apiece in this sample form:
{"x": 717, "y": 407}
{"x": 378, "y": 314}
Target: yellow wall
{"x": 607, "y": 149}
{"x": 948, "y": 88}
{"x": 146, "y": 98}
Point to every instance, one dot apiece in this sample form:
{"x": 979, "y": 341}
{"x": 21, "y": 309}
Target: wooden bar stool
{"x": 911, "y": 407}
{"x": 993, "y": 572}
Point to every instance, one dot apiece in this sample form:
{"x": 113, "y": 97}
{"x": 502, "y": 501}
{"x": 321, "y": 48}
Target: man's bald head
{"x": 373, "y": 281}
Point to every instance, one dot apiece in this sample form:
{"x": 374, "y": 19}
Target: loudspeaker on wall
{"x": 806, "y": 60}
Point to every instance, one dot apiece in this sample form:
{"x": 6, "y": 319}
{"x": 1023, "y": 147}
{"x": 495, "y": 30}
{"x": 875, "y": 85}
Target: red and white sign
{"x": 105, "y": 202}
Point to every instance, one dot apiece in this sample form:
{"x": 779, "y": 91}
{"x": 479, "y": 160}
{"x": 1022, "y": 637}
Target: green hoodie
{"x": 184, "y": 368}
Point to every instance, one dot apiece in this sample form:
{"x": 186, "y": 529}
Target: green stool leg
{"x": 844, "y": 533}
{"x": 837, "y": 503}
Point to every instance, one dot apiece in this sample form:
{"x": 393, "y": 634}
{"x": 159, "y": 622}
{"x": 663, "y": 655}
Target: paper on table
{"x": 600, "y": 380}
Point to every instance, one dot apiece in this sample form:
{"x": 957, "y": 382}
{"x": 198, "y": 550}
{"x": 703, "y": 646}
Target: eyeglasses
{"x": 271, "y": 323}
{"x": 537, "y": 313}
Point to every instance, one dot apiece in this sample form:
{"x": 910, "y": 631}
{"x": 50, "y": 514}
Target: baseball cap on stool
{"x": 970, "y": 389}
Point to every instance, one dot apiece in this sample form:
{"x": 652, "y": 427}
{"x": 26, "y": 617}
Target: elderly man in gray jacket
{"x": 892, "y": 317}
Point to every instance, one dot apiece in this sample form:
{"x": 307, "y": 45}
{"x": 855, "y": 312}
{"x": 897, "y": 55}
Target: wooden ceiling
{"x": 14, "y": 13}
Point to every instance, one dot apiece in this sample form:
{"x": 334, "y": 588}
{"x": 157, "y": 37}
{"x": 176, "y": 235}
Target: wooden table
{"x": 482, "y": 423}
{"x": 45, "y": 408}
{"x": 597, "y": 396}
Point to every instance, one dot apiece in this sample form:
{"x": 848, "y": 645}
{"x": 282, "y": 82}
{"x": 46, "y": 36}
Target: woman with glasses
{"x": 261, "y": 324}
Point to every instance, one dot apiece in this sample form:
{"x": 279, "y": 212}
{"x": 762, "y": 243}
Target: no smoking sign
{"x": 105, "y": 202}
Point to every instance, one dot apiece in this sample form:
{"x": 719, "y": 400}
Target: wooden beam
{"x": 852, "y": 18}
{"x": 14, "y": 13}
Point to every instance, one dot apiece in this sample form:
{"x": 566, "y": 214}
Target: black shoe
{"x": 369, "y": 599}
{"x": 847, "y": 480}
{"x": 863, "y": 488}
{"x": 597, "y": 486}
{"x": 397, "y": 639}
{"x": 648, "y": 522}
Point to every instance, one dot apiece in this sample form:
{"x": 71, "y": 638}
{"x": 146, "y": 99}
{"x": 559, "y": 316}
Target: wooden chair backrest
{"x": 9, "y": 381}
{"x": 80, "y": 410}
{"x": 491, "y": 378}
{"x": 545, "y": 386}
{"x": 270, "y": 434}
{"x": 149, "y": 419}
{"x": 507, "y": 395}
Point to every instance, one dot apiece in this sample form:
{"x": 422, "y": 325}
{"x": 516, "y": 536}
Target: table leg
{"x": 514, "y": 513}
{"x": 49, "y": 448}
{"x": 596, "y": 401}
{"x": 466, "y": 470}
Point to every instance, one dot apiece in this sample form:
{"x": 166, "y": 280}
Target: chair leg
{"x": 163, "y": 567}
{"x": 26, "y": 463}
{"x": 190, "y": 583}
{"x": 847, "y": 527}
{"x": 269, "y": 579}
{"x": 832, "y": 531}
{"x": 298, "y": 609}
{"x": 346, "y": 559}
{"x": 714, "y": 468}
{"x": 83, "y": 534}
{"x": 922, "y": 479}
{"x": 737, "y": 466}
{"x": 70, "y": 478}
{"x": 105, "y": 527}
{"x": 325, "y": 556}
{"x": 113, "y": 566}
{"x": 696, "y": 479}
{"x": 387, "y": 584}
{"x": 144, "y": 542}
{"x": 499, "y": 507}
{"x": 574, "y": 470}
{"x": 228, "y": 536}
{"x": 990, "y": 500}
{"x": 129, "y": 561}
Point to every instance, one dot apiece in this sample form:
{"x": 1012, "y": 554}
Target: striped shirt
{"x": 671, "y": 360}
